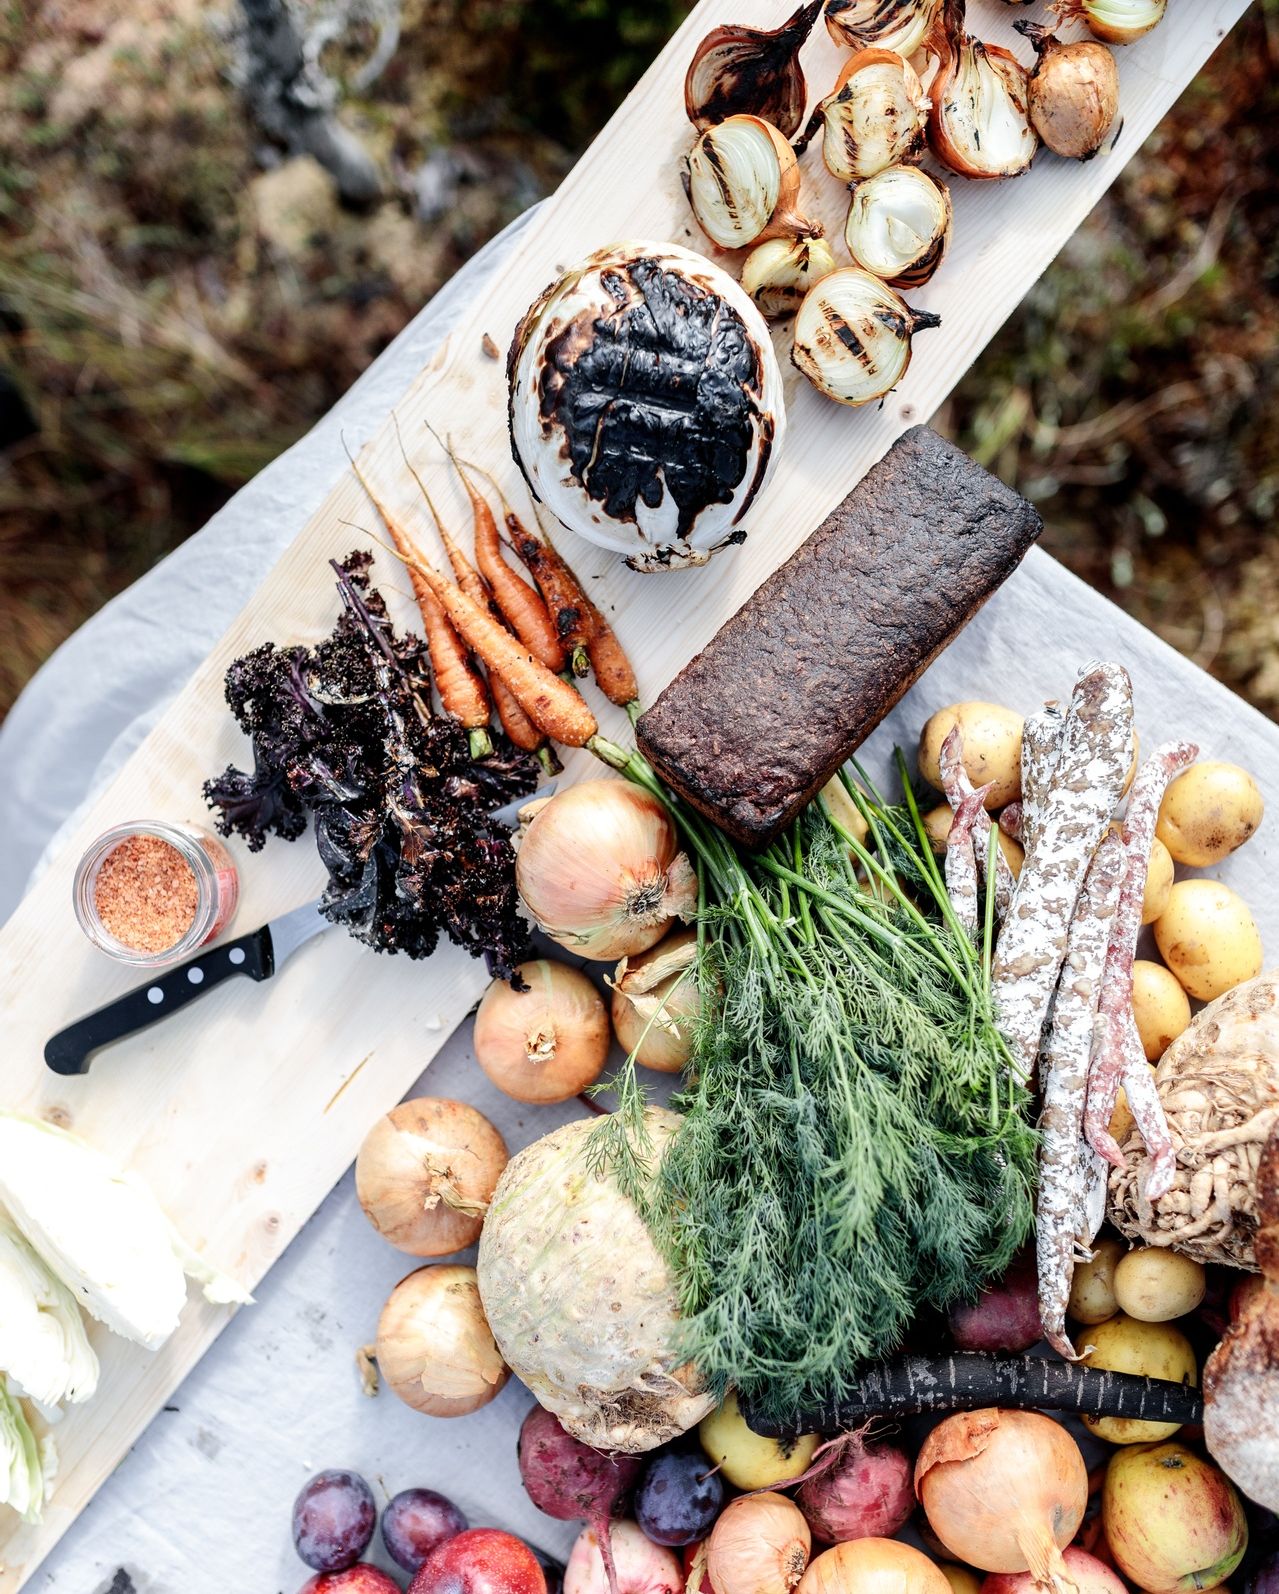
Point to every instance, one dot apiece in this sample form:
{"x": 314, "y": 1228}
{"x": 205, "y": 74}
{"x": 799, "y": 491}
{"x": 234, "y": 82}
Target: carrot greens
{"x": 854, "y": 1145}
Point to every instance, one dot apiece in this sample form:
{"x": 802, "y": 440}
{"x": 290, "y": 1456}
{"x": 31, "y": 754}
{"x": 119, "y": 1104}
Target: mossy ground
{"x": 177, "y": 304}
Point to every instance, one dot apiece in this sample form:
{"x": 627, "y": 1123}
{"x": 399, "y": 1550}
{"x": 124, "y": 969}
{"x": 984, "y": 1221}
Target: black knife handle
{"x": 71, "y": 1050}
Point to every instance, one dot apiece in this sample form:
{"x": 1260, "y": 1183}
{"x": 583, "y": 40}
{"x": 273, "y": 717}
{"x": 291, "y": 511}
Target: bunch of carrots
{"x": 528, "y": 638}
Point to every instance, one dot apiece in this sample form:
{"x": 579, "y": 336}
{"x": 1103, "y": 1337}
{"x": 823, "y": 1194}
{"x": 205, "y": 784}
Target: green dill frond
{"x": 854, "y": 1147}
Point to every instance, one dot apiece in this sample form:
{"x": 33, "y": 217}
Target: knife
{"x": 260, "y": 954}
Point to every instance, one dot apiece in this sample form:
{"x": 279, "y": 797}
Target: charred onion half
{"x": 876, "y": 116}
{"x": 980, "y": 126}
{"x": 646, "y": 406}
{"x": 1115, "y": 21}
{"x": 778, "y": 274}
{"x": 900, "y": 25}
{"x": 853, "y": 336}
{"x": 736, "y": 69}
{"x": 742, "y": 180}
{"x": 899, "y": 225}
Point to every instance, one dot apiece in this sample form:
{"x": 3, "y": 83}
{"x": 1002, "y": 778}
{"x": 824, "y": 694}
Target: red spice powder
{"x": 146, "y": 894}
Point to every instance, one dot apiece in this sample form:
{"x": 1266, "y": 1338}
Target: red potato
{"x": 359, "y": 1579}
{"x": 480, "y": 1561}
{"x": 1002, "y": 1318}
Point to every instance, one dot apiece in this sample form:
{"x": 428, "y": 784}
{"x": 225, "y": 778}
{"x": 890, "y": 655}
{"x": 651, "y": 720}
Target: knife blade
{"x": 260, "y": 954}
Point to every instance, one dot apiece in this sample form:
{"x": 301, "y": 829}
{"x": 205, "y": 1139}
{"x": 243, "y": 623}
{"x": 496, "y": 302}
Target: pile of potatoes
{"x": 1203, "y": 930}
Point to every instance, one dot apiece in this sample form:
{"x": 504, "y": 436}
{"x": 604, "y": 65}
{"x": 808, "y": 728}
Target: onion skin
{"x": 656, "y": 1003}
{"x": 600, "y": 870}
{"x": 874, "y": 1566}
{"x": 759, "y": 1545}
{"x": 434, "y": 1347}
{"x": 1074, "y": 93}
{"x": 547, "y": 1043}
{"x": 642, "y": 1566}
{"x": 752, "y": 70}
{"x": 425, "y": 1173}
{"x": 1005, "y": 1491}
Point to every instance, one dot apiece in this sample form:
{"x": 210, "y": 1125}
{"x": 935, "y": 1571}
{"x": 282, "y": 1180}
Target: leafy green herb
{"x": 854, "y": 1146}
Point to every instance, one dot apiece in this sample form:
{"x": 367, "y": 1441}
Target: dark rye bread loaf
{"x": 754, "y": 727}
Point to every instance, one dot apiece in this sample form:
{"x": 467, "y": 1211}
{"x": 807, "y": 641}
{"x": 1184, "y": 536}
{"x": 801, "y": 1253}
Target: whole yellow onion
{"x": 600, "y": 870}
{"x": 759, "y": 1545}
{"x": 874, "y": 1566}
{"x": 656, "y": 1003}
{"x": 434, "y": 1346}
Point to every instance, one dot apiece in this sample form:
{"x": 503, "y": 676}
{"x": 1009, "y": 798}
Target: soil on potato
{"x": 180, "y": 299}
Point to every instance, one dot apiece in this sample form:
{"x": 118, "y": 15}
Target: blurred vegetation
{"x": 179, "y": 302}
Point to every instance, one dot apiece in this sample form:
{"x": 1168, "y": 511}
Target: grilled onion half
{"x": 646, "y": 405}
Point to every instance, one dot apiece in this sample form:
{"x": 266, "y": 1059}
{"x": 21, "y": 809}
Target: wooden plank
{"x": 243, "y": 1111}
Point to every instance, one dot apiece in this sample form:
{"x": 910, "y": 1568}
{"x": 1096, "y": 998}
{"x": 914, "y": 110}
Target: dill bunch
{"x": 854, "y": 1146}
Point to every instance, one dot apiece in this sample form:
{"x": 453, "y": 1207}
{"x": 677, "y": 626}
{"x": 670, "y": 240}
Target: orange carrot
{"x": 579, "y": 622}
{"x": 552, "y": 704}
{"x": 520, "y": 604}
{"x": 463, "y": 692}
{"x": 515, "y": 722}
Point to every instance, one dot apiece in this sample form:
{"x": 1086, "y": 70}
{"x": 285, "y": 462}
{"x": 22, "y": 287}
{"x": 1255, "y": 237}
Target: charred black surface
{"x": 661, "y": 394}
{"x": 766, "y": 80}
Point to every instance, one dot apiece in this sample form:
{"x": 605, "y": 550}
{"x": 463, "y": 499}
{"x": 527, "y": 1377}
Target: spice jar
{"x": 153, "y": 893}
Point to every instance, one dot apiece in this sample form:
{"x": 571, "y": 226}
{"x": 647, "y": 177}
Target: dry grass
{"x": 172, "y": 317}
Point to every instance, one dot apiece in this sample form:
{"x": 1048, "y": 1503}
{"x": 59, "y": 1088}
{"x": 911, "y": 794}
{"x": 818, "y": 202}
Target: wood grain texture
{"x": 244, "y": 1110}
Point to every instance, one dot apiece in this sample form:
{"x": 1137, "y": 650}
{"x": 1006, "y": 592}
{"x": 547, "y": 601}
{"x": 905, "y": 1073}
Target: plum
{"x": 416, "y": 1522}
{"x": 333, "y": 1520}
{"x": 480, "y": 1561}
{"x": 679, "y": 1498}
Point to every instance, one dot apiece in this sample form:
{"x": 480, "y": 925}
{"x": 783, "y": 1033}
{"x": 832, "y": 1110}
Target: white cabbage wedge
{"x": 101, "y": 1231}
{"x": 43, "y": 1345}
{"x": 22, "y": 1479}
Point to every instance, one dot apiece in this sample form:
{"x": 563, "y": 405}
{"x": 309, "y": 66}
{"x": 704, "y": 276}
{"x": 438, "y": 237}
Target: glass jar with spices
{"x": 153, "y": 893}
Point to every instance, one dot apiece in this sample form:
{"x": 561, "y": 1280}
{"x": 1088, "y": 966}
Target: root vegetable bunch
{"x": 1219, "y": 1085}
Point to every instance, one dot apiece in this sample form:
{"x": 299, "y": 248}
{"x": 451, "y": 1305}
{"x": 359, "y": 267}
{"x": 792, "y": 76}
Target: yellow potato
{"x": 1160, "y": 1006}
{"x": 1159, "y": 879}
{"x": 937, "y": 822}
{"x": 843, "y": 810}
{"x": 1208, "y": 812}
{"x": 962, "y": 1579}
{"x": 1155, "y": 1350}
{"x": 1208, "y": 938}
{"x": 1155, "y": 1285}
{"x": 747, "y": 1459}
{"x": 992, "y": 748}
{"x": 1092, "y": 1290}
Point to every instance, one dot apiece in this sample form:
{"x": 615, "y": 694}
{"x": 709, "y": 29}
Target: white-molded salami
{"x": 1116, "y": 1034}
{"x": 1062, "y": 1214}
{"x": 1089, "y": 779}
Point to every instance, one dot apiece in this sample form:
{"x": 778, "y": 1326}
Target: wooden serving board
{"x": 244, "y": 1110}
